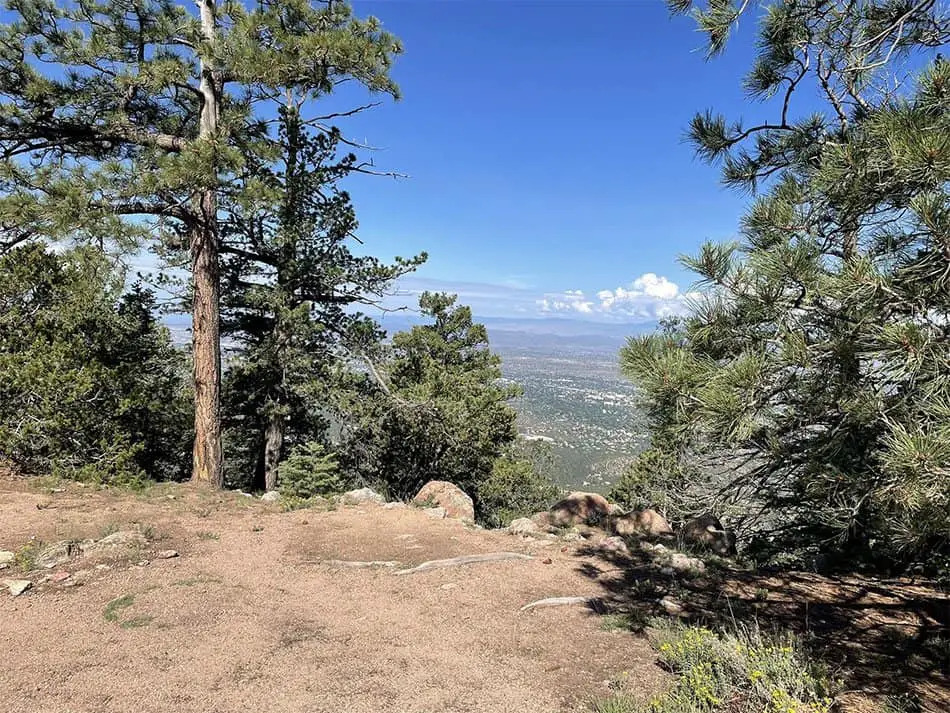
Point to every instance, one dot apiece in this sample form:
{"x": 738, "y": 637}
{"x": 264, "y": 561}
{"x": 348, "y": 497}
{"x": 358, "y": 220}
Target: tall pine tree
{"x": 120, "y": 118}
{"x": 292, "y": 292}
{"x": 815, "y": 371}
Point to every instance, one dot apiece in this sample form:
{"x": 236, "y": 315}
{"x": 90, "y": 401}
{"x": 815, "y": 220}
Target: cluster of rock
{"x": 593, "y": 511}
{"x": 94, "y": 554}
{"x": 437, "y": 499}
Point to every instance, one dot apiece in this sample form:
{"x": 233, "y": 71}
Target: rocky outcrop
{"x": 647, "y": 523}
{"x": 523, "y": 526}
{"x": 580, "y": 508}
{"x": 362, "y": 496}
{"x": 449, "y": 497}
{"x": 119, "y": 545}
{"x": 55, "y": 555}
{"x": 707, "y": 533}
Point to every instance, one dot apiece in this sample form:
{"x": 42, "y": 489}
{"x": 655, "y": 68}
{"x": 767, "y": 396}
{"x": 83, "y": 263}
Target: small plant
{"x": 514, "y": 488}
{"x": 111, "y": 612}
{"x": 622, "y": 622}
{"x": 209, "y": 536}
{"x": 136, "y": 622}
{"x": 193, "y": 581}
{"x": 427, "y": 502}
{"x": 108, "y": 529}
{"x": 25, "y": 557}
{"x": 737, "y": 672}
{"x": 310, "y": 471}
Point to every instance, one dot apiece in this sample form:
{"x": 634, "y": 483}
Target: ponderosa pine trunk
{"x": 208, "y": 457}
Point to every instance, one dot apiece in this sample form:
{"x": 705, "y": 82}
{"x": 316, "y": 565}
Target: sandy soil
{"x": 252, "y": 617}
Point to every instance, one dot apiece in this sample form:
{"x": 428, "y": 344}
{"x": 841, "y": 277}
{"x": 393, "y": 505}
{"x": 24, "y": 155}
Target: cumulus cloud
{"x": 569, "y": 301}
{"x": 648, "y": 297}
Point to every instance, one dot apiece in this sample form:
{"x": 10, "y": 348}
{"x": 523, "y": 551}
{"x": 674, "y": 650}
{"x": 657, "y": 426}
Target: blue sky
{"x": 544, "y": 147}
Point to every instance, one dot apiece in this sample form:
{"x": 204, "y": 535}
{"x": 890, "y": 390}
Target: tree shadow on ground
{"x": 881, "y": 636}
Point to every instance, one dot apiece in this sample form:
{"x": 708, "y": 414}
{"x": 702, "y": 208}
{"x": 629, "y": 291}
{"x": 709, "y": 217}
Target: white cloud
{"x": 648, "y": 297}
{"x": 569, "y": 301}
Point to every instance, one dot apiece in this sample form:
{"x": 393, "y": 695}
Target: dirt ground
{"x": 252, "y": 617}
{"x": 260, "y": 613}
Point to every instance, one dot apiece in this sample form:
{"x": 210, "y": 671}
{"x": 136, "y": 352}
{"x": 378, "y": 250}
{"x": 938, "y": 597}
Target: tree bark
{"x": 208, "y": 457}
{"x": 273, "y": 444}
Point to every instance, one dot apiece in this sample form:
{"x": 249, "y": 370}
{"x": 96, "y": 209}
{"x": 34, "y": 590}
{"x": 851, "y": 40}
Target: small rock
{"x": 523, "y": 526}
{"x": 271, "y": 496}
{"x": 167, "y": 554}
{"x": 436, "y": 513}
{"x": 142, "y": 563}
{"x": 668, "y": 571}
{"x": 246, "y": 495}
{"x": 671, "y": 606}
{"x": 57, "y": 490}
{"x": 614, "y": 544}
{"x": 450, "y": 585}
{"x": 7, "y": 557}
{"x": 448, "y": 496}
{"x": 16, "y": 587}
{"x": 103, "y": 567}
{"x": 572, "y": 537}
{"x": 361, "y": 496}
{"x": 547, "y": 560}
{"x": 171, "y": 497}
{"x": 685, "y": 563}
{"x": 60, "y": 576}
{"x": 54, "y": 555}
{"x": 395, "y": 505}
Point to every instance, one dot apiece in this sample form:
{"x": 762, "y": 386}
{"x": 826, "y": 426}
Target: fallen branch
{"x": 466, "y": 559}
{"x": 357, "y": 564}
{"x": 559, "y": 602}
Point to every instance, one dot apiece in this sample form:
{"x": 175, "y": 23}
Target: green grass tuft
{"x": 111, "y": 612}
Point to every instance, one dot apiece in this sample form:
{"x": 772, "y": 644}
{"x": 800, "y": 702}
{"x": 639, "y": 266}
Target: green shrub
{"x": 91, "y": 387}
{"x": 738, "y": 672}
{"x": 310, "y": 471}
{"x": 653, "y": 480}
{"x": 514, "y": 488}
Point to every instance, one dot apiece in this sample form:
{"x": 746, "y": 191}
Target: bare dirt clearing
{"x": 251, "y": 617}
{"x": 306, "y": 611}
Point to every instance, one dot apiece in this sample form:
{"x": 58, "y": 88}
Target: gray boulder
{"x": 361, "y": 496}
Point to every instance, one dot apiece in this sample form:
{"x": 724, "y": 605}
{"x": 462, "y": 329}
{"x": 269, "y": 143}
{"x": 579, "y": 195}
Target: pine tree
{"x": 814, "y": 373}
{"x": 292, "y": 289}
{"x": 435, "y": 408}
{"x": 91, "y": 387}
{"x": 122, "y": 118}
